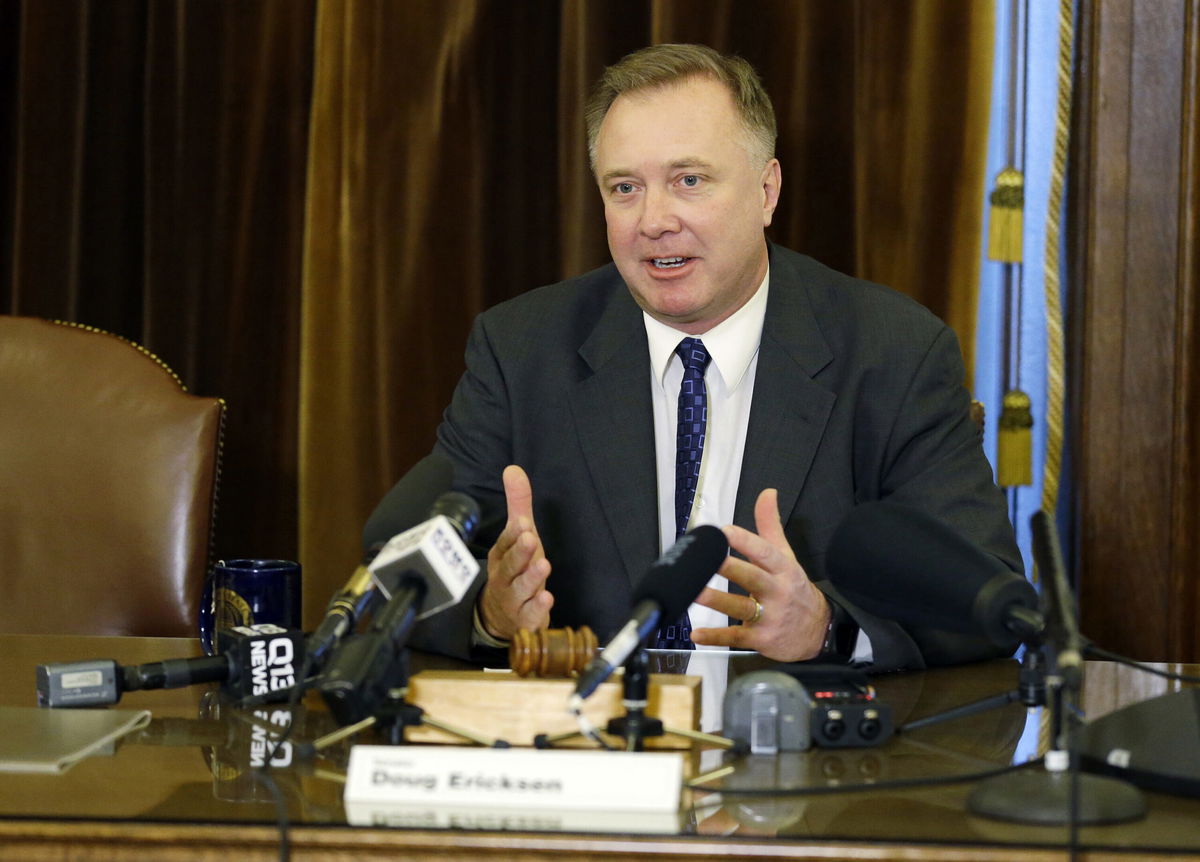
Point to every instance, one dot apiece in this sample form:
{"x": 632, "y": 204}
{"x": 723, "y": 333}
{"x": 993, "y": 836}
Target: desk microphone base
{"x": 1040, "y": 797}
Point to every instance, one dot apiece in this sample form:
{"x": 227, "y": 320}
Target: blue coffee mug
{"x": 246, "y": 593}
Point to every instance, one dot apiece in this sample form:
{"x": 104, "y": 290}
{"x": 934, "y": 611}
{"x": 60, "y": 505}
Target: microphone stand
{"x": 1058, "y": 793}
{"x": 365, "y": 683}
{"x": 635, "y": 726}
{"x": 395, "y": 712}
{"x": 1030, "y": 690}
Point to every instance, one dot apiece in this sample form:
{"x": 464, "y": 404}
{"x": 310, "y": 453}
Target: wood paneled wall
{"x": 1136, "y": 388}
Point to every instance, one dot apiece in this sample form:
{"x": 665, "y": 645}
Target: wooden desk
{"x": 156, "y": 796}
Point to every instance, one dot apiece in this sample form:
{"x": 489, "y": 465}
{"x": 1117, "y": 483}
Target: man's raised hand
{"x": 515, "y": 596}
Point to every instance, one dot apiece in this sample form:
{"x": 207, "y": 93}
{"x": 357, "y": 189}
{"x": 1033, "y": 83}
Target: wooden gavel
{"x": 551, "y": 652}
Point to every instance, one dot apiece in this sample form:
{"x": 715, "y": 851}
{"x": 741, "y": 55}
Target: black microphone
{"x": 1063, "y": 621}
{"x": 421, "y": 571}
{"x": 902, "y": 564}
{"x": 261, "y": 661}
{"x": 666, "y": 590}
{"x": 348, "y": 605}
{"x": 409, "y": 503}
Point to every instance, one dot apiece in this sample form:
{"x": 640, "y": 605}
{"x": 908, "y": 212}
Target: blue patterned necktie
{"x": 689, "y": 447}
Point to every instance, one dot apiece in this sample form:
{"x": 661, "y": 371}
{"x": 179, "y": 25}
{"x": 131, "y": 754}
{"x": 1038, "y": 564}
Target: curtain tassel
{"x": 1014, "y": 461}
{"x": 1006, "y": 221}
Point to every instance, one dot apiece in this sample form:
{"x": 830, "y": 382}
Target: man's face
{"x": 685, "y": 203}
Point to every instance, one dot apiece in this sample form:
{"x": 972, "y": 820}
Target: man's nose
{"x": 658, "y": 214}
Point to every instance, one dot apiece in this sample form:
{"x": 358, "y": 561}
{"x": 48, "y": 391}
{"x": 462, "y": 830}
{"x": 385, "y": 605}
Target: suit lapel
{"x": 790, "y": 410}
{"x": 614, "y": 418}
{"x": 615, "y": 423}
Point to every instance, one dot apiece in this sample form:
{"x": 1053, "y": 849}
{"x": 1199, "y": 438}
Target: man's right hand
{"x": 515, "y": 596}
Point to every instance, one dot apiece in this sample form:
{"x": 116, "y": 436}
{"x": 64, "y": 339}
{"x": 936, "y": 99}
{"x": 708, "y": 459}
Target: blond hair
{"x": 664, "y": 65}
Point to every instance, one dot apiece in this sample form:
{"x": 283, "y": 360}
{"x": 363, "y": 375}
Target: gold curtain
{"x": 447, "y": 172}
{"x": 394, "y": 256}
{"x": 301, "y": 205}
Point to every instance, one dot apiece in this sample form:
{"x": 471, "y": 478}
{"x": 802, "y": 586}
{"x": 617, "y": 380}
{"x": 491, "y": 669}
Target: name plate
{"x": 512, "y": 777}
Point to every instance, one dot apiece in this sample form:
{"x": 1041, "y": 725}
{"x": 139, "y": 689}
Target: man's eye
{"x": 691, "y": 181}
{"x": 623, "y": 188}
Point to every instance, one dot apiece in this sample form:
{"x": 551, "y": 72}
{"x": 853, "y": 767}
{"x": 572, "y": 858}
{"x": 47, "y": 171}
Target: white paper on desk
{"x": 33, "y": 739}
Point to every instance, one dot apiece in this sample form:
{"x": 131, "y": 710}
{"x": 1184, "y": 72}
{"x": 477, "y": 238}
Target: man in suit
{"x": 821, "y": 392}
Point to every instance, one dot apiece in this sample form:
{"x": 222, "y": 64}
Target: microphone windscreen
{"x": 409, "y": 501}
{"x": 678, "y": 576}
{"x": 462, "y": 511}
{"x": 902, "y": 564}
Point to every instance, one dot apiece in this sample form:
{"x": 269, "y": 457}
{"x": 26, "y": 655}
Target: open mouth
{"x": 669, "y": 262}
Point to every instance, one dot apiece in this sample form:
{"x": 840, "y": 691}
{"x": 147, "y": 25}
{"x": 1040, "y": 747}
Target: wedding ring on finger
{"x": 757, "y": 613}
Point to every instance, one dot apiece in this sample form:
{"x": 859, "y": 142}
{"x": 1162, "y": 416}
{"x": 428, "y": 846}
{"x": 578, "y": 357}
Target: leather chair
{"x": 108, "y": 485}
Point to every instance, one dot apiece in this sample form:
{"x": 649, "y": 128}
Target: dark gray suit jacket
{"x": 858, "y": 396}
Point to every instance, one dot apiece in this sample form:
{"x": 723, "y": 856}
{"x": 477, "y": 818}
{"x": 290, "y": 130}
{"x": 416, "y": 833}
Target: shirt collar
{"x": 732, "y": 343}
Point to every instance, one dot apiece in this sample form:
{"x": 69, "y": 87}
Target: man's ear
{"x": 772, "y": 182}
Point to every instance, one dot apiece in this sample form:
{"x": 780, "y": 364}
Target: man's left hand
{"x": 791, "y": 625}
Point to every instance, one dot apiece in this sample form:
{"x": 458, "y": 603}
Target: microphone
{"x": 421, "y": 571}
{"x": 1063, "y": 622}
{"x": 902, "y": 564}
{"x": 262, "y": 661}
{"x": 667, "y": 588}
{"x": 347, "y": 606}
{"x": 434, "y": 552}
{"x": 409, "y": 502}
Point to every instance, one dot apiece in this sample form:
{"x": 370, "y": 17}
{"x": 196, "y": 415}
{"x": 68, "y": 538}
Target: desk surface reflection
{"x": 182, "y": 787}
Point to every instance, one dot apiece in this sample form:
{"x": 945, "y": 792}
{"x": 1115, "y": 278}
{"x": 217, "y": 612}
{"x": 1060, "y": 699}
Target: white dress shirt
{"x": 729, "y": 381}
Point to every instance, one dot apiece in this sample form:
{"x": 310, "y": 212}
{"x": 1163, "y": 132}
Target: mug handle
{"x": 206, "y": 615}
